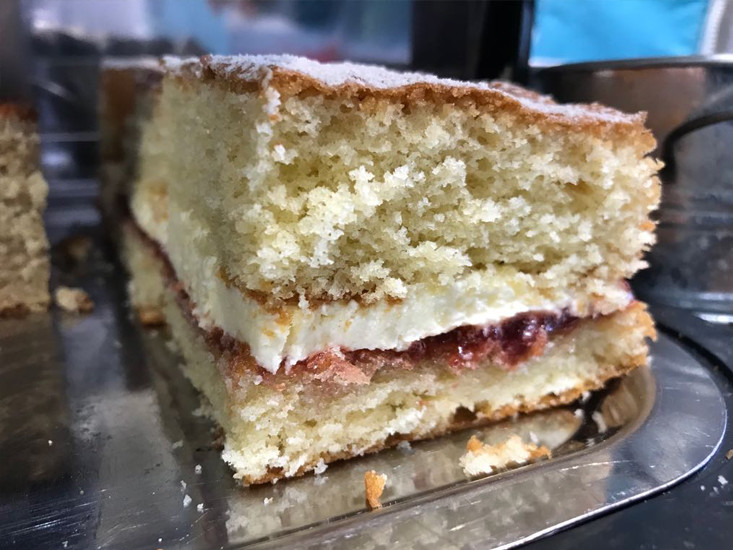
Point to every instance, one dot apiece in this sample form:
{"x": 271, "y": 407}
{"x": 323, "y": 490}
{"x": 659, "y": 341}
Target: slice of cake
{"x": 349, "y": 257}
{"x": 127, "y": 92}
{"x": 24, "y": 264}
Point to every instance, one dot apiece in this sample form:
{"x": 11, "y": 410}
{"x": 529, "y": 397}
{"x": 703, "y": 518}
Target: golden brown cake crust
{"x": 239, "y": 74}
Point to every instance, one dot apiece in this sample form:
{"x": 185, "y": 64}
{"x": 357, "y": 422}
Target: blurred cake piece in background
{"x": 24, "y": 263}
{"x": 127, "y": 87}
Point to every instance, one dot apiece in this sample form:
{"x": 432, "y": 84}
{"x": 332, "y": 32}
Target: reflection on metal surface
{"x": 691, "y": 265}
{"x": 34, "y": 416}
{"x": 129, "y": 449}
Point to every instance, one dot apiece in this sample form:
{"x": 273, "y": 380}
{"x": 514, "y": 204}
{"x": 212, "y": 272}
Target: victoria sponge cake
{"x": 24, "y": 263}
{"x": 349, "y": 256}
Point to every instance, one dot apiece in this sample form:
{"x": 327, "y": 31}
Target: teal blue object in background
{"x": 190, "y": 19}
{"x": 567, "y": 31}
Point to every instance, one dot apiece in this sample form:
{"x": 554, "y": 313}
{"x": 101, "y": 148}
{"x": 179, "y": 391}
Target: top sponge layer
{"x": 294, "y": 180}
{"x": 291, "y": 75}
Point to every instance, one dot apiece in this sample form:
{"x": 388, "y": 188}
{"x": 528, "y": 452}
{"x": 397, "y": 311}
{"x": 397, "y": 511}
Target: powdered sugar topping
{"x": 260, "y": 68}
{"x": 332, "y": 74}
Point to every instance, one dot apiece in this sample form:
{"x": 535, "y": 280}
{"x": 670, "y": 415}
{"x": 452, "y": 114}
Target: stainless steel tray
{"x": 99, "y": 445}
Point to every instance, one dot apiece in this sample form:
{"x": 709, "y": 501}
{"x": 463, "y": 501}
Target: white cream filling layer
{"x": 295, "y": 331}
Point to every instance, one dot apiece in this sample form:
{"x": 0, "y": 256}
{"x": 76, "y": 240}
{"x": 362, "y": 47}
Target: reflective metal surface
{"x": 100, "y": 442}
{"x": 692, "y": 263}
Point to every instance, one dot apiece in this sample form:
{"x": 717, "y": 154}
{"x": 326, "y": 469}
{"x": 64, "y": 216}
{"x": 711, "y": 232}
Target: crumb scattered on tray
{"x": 723, "y": 482}
{"x": 729, "y": 454}
{"x": 481, "y": 459}
{"x": 374, "y": 486}
{"x": 197, "y": 469}
{"x": 186, "y": 501}
{"x": 200, "y": 508}
{"x": 74, "y": 300}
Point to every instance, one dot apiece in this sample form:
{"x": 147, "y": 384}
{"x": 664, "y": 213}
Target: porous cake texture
{"x": 350, "y": 256}
{"x": 24, "y": 263}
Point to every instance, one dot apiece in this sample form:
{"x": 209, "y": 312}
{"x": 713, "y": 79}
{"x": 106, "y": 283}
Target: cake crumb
{"x": 729, "y": 454}
{"x": 579, "y": 413}
{"x": 723, "y": 482}
{"x": 65, "y": 543}
{"x": 200, "y": 508}
{"x": 197, "y": 469}
{"x": 267, "y": 501}
{"x": 482, "y": 459}
{"x": 73, "y": 300}
{"x": 183, "y": 485}
{"x": 50, "y": 443}
{"x": 584, "y": 396}
{"x": 320, "y": 467}
{"x": 186, "y": 501}
{"x": 374, "y": 487}
{"x": 177, "y": 444}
